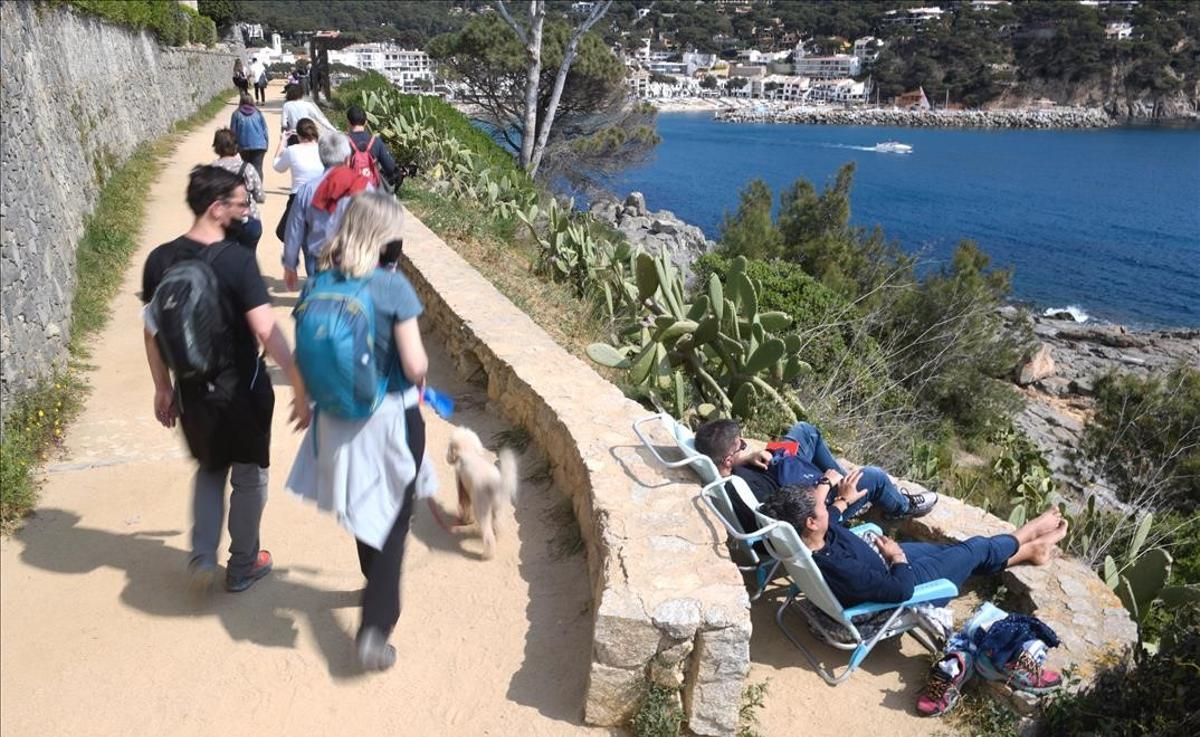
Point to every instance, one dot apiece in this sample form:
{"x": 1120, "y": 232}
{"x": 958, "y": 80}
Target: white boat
{"x": 893, "y": 147}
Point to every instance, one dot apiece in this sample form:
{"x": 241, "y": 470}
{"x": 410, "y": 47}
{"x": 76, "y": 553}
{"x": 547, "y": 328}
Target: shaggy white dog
{"x": 482, "y": 486}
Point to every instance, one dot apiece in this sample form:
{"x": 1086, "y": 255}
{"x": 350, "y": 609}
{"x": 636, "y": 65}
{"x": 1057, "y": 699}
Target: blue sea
{"x": 1107, "y": 221}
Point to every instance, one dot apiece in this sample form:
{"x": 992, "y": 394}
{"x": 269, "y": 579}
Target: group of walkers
{"x": 207, "y": 313}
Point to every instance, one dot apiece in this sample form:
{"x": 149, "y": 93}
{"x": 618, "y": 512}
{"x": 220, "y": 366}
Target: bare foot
{"x": 1046, "y": 521}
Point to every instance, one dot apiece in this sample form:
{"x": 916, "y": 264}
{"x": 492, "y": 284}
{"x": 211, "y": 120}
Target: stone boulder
{"x": 655, "y": 232}
{"x": 1036, "y": 366}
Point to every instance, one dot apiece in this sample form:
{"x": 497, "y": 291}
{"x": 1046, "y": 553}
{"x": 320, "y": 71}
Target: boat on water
{"x": 893, "y": 147}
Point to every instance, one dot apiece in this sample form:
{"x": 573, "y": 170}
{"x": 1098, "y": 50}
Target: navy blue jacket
{"x": 855, "y": 572}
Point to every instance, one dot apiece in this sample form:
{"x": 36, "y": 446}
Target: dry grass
{"x": 498, "y": 252}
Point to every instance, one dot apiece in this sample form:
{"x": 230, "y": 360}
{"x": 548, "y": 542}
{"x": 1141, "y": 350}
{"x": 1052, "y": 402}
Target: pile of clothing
{"x": 998, "y": 646}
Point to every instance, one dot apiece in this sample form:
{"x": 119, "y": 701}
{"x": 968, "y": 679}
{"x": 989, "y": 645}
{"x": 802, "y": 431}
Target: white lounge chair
{"x": 784, "y": 545}
{"x": 741, "y": 542}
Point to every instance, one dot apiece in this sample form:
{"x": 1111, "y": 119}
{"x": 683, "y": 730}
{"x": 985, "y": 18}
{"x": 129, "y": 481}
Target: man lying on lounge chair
{"x": 811, "y": 464}
{"x": 856, "y": 573}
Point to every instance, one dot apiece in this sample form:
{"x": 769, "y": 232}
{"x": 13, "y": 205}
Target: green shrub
{"x": 174, "y": 24}
{"x": 1143, "y": 437}
{"x": 659, "y": 715}
{"x": 436, "y": 113}
{"x": 1156, "y": 696}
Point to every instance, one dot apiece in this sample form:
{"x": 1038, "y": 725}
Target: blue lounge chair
{"x": 886, "y": 619}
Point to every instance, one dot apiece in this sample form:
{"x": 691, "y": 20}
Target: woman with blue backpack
{"x": 360, "y": 352}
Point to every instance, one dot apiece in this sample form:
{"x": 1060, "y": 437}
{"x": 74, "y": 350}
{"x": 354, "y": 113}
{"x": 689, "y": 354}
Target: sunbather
{"x": 812, "y": 464}
{"x": 856, "y": 573}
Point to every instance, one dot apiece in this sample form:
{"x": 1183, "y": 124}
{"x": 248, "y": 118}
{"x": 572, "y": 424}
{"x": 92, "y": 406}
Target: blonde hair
{"x": 371, "y": 221}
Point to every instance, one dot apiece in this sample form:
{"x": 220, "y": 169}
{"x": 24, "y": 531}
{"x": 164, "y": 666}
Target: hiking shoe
{"x": 1026, "y": 674}
{"x": 374, "y": 652}
{"x": 200, "y": 578}
{"x": 262, "y": 566}
{"x": 946, "y": 678}
{"x": 919, "y": 505}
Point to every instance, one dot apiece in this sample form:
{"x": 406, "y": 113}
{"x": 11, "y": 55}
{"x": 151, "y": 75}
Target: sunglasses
{"x": 741, "y": 446}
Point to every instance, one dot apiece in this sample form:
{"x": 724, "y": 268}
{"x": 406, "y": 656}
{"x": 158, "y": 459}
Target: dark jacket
{"x": 855, "y": 572}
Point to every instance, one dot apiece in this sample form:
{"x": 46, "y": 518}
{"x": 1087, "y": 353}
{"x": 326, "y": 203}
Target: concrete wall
{"x": 78, "y": 96}
{"x": 669, "y": 606}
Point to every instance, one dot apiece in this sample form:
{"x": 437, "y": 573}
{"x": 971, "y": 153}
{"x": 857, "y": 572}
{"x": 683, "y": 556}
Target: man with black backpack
{"x": 207, "y": 311}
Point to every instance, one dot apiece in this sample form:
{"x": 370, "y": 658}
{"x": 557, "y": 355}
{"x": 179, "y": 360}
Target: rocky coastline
{"x": 1058, "y": 377}
{"x": 812, "y": 115}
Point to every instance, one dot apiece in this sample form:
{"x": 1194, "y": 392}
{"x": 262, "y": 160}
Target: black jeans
{"x": 260, "y": 93}
{"x": 254, "y": 157}
{"x": 381, "y": 597}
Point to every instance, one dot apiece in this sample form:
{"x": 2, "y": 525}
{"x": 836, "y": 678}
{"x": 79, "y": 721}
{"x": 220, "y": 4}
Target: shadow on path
{"x": 156, "y": 583}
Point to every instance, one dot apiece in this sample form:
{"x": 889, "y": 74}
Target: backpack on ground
{"x": 335, "y": 346}
{"x": 192, "y": 321}
{"x": 363, "y": 162}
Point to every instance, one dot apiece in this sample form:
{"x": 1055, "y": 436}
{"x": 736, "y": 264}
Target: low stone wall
{"x": 1063, "y": 118}
{"x": 668, "y": 607}
{"x": 79, "y": 96}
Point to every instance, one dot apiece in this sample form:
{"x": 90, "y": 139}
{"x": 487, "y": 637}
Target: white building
{"x": 253, "y": 30}
{"x": 867, "y": 48}
{"x": 988, "y": 4}
{"x": 913, "y": 16}
{"x": 826, "y": 67}
{"x": 277, "y": 43}
{"x": 409, "y": 69}
{"x": 845, "y": 91}
{"x": 1119, "y": 31}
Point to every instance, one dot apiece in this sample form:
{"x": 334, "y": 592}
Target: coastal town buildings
{"x": 411, "y": 70}
{"x": 1119, "y": 31}
{"x": 915, "y": 17}
{"x": 837, "y": 66}
{"x": 914, "y": 100}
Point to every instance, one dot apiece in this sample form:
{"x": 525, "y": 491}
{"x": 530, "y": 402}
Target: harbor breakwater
{"x": 1060, "y": 118}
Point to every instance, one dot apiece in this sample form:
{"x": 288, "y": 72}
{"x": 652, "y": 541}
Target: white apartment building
{"x": 826, "y": 67}
{"x": 411, "y": 70}
{"x": 1119, "y": 31}
{"x": 867, "y": 48}
{"x": 253, "y": 30}
{"x": 913, "y": 16}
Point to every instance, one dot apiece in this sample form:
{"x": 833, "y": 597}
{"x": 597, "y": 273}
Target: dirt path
{"x": 99, "y": 638}
{"x": 98, "y": 635}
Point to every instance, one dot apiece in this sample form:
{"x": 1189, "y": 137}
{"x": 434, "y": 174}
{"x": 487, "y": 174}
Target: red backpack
{"x": 362, "y": 162}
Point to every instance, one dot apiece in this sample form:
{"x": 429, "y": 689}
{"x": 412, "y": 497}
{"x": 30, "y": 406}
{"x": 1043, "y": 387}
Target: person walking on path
{"x": 258, "y": 73}
{"x": 303, "y": 159}
{"x": 226, "y": 419}
{"x": 297, "y": 108}
{"x": 363, "y": 140}
{"x": 250, "y": 127}
{"x": 249, "y": 231}
{"x": 365, "y": 470}
{"x": 318, "y": 207}
{"x": 240, "y": 80}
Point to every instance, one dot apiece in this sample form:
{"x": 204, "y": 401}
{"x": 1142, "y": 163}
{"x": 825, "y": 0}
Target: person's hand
{"x": 301, "y": 413}
{"x": 834, "y": 477}
{"x": 164, "y": 407}
{"x": 847, "y": 489}
{"x": 290, "y": 279}
{"x": 760, "y": 459}
{"x": 890, "y": 549}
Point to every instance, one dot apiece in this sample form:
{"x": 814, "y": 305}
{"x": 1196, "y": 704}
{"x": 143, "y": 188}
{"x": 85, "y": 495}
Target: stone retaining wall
{"x": 79, "y": 95}
{"x": 668, "y": 606}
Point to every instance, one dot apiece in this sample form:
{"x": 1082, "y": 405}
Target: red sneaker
{"x": 262, "y": 566}
{"x": 1025, "y": 674}
{"x": 945, "y": 685}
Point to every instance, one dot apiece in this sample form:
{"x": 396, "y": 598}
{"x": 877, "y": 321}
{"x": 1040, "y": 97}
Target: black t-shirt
{"x": 242, "y": 288}
{"x": 233, "y": 428}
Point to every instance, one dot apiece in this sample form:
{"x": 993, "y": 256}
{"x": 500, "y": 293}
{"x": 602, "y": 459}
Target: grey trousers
{"x": 245, "y": 512}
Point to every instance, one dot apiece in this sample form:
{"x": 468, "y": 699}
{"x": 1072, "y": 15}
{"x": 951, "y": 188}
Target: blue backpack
{"x": 335, "y": 346}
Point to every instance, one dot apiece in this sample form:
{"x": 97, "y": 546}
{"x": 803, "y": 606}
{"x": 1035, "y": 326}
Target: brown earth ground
{"x": 99, "y": 637}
